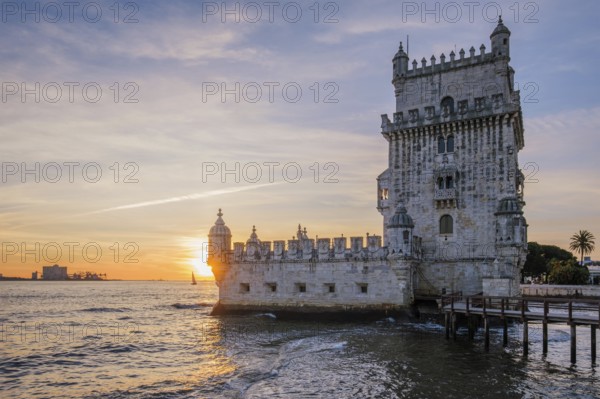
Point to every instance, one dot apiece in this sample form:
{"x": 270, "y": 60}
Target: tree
{"x": 582, "y": 242}
{"x": 568, "y": 272}
{"x": 539, "y": 257}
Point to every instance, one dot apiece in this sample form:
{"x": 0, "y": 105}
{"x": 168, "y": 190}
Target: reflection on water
{"x": 156, "y": 340}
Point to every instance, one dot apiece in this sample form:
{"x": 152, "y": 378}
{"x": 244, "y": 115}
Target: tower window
{"x": 441, "y": 183}
{"x": 244, "y": 287}
{"x": 447, "y": 106}
{"x": 504, "y": 41}
{"x": 450, "y": 144}
{"x": 363, "y": 288}
{"x": 441, "y": 145}
{"x": 301, "y": 287}
{"x": 272, "y": 287}
{"x": 330, "y": 288}
{"x": 405, "y": 235}
{"x": 449, "y": 182}
{"x": 446, "y": 225}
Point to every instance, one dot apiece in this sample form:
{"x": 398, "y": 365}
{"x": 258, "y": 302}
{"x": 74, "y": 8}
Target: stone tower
{"x": 453, "y": 178}
{"x": 219, "y": 242}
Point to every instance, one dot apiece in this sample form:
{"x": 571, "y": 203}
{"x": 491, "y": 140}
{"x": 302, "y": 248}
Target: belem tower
{"x": 451, "y": 200}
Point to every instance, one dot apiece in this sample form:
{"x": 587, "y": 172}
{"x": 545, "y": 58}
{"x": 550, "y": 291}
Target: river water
{"x": 157, "y": 340}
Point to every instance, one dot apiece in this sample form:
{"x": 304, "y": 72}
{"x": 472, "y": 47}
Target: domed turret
{"x": 509, "y": 205}
{"x": 401, "y": 218}
{"x": 400, "y": 232}
{"x": 400, "y": 63}
{"x": 253, "y": 245}
{"x": 500, "y": 38}
{"x": 511, "y": 227}
{"x": 219, "y": 241}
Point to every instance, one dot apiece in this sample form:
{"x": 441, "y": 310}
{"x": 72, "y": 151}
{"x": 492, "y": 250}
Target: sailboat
{"x": 193, "y": 279}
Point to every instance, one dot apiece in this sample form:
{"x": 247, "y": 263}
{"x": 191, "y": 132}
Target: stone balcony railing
{"x": 445, "y": 194}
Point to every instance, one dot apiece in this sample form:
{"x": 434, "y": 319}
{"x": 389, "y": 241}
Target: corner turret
{"x": 219, "y": 242}
{"x": 500, "y": 38}
{"x": 400, "y": 63}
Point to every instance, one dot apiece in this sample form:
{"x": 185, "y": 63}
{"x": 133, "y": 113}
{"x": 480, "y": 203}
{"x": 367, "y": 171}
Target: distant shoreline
{"x": 107, "y": 280}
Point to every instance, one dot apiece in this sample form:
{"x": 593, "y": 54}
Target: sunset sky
{"x": 161, "y": 128}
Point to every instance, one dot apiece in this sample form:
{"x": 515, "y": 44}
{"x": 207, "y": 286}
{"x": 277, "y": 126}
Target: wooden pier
{"x": 573, "y": 312}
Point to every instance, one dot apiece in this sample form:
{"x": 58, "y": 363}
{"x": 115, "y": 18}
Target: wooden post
{"x": 593, "y": 339}
{"x": 470, "y": 326}
{"x": 504, "y": 332}
{"x": 486, "y": 322}
{"x": 545, "y": 330}
{"x": 454, "y": 325}
{"x": 525, "y": 338}
{"x": 447, "y": 323}
{"x": 573, "y": 341}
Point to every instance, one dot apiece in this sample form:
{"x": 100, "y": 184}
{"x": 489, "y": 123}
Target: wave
{"x": 192, "y": 305}
{"x": 99, "y": 310}
{"x": 266, "y": 315}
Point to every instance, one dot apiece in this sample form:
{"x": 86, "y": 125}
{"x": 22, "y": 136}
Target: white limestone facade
{"x": 451, "y": 200}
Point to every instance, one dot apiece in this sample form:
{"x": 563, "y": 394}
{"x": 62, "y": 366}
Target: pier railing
{"x": 571, "y": 311}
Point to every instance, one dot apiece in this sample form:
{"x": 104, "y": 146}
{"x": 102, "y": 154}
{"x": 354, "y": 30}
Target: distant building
{"x": 0, "y": 276}
{"x": 587, "y": 260}
{"x": 55, "y": 272}
{"x": 34, "y": 275}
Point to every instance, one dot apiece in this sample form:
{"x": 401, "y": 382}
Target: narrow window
{"x": 450, "y": 144}
{"x": 449, "y": 182}
{"x": 446, "y": 224}
{"x": 330, "y": 288}
{"x": 363, "y": 288}
{"x": 244, "y": 287}
{"x": 441, "y": 145}
{"x": 272, "y": 287}
{"x": 441, "y": 183}
{"x": 301, "y": 287}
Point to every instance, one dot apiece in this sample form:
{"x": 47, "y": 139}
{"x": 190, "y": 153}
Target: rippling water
{"x": 156, "y": 340}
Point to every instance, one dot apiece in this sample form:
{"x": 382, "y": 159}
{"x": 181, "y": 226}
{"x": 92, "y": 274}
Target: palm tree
{"x": 583, "y": 242}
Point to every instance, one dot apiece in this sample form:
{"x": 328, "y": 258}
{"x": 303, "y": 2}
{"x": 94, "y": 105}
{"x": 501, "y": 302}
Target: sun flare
{"x": 198, "y": 249}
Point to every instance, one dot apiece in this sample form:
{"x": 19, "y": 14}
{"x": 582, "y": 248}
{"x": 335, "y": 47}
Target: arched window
{"x": 447, "y": 106}
{"x": 449, "y": 182}
{"x": 450, "y": 144}
{"x": 441, "y": 183}
{"x": 446, "y": 225}
{"x": 441, "y": 145}
{"x": 405, "y": 236}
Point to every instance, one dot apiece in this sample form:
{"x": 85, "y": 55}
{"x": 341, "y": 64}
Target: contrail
{"x": 188, "y": 197}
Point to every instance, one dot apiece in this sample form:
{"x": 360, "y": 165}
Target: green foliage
{"x": 568, "y": 272}
{"x": 539, "y": 257}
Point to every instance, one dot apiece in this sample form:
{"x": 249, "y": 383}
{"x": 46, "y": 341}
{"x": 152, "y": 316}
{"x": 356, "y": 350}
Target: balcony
{"x": 445, "y": 194}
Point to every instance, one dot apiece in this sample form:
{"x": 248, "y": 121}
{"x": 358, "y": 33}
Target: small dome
{"x": 509, "y": 205}
{"x": 401, "y": 53}
{"x": 219, "y": 229}
{"x": 500, "y": 29}
{"x": 401, "y": 218}
{"x": 253, "y": 237}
